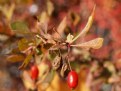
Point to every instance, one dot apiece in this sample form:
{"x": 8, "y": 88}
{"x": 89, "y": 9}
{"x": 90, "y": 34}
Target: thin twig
{"x": 68, "y": 57}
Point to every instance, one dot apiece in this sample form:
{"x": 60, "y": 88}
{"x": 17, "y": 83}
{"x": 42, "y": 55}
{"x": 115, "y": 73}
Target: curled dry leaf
{"x": 87, "y": 27}
{"x": 95, "y": 44}
{"x": 64, "y": 69}
{"x": 56, "y": 63}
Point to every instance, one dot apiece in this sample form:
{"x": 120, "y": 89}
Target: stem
{"x": 68, "y": 46}
{"x": 38, "y": 36}
{"x": 59, "y": 52}
{"x": 72, "y": 89}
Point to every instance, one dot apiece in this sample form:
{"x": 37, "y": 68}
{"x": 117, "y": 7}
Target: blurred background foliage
{"x": 99, "y": 70}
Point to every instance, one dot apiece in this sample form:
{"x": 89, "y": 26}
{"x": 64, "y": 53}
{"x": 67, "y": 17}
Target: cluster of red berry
{"x": 72, "y": 78}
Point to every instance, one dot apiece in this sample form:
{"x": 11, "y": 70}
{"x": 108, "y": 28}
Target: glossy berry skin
{"x": 72, "y": 79}
{"x": 34, "y": 72}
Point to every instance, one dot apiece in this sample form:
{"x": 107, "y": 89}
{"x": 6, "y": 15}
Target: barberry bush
{"x": 59, "y": 45}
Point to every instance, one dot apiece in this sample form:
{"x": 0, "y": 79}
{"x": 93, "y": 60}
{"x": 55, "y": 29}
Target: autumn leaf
{"x": 87, "y": 27}
{"x": 95, "y": 44}
{"x": 15, "y": 58}
{"x": 62, "y": 25}
{"x": 26, "y": 61}
{"x": 23, "y": 44}
{"x": 20, "y": 27}
{"x": 61, "y": 28}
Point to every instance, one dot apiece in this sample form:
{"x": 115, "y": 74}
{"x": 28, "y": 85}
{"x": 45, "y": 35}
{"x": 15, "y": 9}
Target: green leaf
{"x": 20, "y": 27}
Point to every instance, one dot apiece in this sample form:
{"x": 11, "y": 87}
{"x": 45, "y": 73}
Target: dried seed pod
{"x": 64, "y": 69}
{"x": 56, "y": 64}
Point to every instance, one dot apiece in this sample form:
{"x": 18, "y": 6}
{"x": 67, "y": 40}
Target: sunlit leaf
{"x": 87, "y": 27}
{"x": 23, "y": 44}
{"x": 15, "y": 58}
{"x": 26, "y": 61}
{"x": 20, "y": 27}
{"x": 69, "y": 38}
{"x": 95, "y": 44}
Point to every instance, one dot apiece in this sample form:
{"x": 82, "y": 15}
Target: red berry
{"x": 34, "y": 72}
{"x": 72, "y": 79}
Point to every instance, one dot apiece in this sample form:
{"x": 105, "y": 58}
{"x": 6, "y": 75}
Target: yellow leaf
{"x": 87, "y": 27}
{"x": 95, "y": 44}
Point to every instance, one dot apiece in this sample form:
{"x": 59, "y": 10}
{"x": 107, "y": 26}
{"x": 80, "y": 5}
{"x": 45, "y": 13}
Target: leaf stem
{"x": 68, "y": 46}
